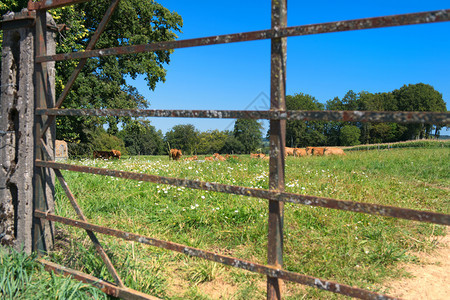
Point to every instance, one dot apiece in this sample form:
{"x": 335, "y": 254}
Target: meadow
{"x": 351, "y": 248}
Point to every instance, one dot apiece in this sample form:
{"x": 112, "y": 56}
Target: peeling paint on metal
{"x": 350, "y": 116}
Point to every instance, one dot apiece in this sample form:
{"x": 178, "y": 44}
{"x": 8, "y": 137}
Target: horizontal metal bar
{"x": 106, "y": 287}
{"x": 358, "y": 24}
{"x": 305, "y": 115}
{"x": 368, "y": 208}
{"x": 49, "y": 4}
{"x": 227, "y": 260}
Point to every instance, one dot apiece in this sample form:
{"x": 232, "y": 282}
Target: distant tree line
{"x": 139, "y": 137}
{"x": 412, "y": 97}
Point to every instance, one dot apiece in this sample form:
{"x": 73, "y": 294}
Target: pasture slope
{"x": 351, "y": 248}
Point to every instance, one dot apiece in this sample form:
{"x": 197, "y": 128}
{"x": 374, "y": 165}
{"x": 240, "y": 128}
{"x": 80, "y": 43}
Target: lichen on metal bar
{"x": 425, "y": 117}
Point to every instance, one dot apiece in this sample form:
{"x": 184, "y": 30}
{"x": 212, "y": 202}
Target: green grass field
{"x": 350, "y": 248}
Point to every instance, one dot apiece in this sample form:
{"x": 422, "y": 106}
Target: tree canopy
{"x": 103, "y": 81}
{"x": 304, "y": 133}
{"x": 184, "y": 137}
{"x": 248, "y": 133}
{"x": 141, "y": 138}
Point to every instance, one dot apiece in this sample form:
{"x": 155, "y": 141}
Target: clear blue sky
{"x": 237, "y": 76}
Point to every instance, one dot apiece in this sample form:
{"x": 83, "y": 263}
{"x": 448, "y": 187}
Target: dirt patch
{"x": 430, "y": 277}
{"x": 218, "y": 289}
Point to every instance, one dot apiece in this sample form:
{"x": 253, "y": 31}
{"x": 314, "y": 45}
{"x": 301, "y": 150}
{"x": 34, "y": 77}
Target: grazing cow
{"x": 217, "y": 156}
{"x": 116, "y": 154}
{"x": 298, "y": 152}
{"x": 175, "y": 154}
{"x": 333, "y": 151}
{"x": 257, "y": 155}
{"x": 107, "y": 154}
{"x": 315, "y": 150}
{"x": 318, "y": 151}
{"x": 220, "y": 157}
{"x": 288, "y": 151}
{"x": 309, "y": 150}
{"x": 102, "y": 154}
{"x": 192, "y": 158}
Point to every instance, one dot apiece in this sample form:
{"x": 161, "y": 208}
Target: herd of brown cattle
{"x": 215, "y": 157}
{"x": 320, "y": 151}
{"x": 175, "y": 154}
{"x": 107, "y": 154}
{"x": 300, "y": 152}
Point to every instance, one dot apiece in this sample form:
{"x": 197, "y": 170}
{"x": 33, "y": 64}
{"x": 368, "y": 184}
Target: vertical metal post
{"x": 277, "y": 146}
{"x": 39, "y": 201}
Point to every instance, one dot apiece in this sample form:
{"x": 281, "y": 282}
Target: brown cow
{"x": 220, "y": 157}
{"x": 257, "y": 155}
{"x": 116, "y": 154}
{"x": 217, "y": 156}
{"x": 288, "y": 151}
{"x": 175, "y": 154}
{"x": 315, "y": 150}
{"x": 318, "y": 151}
{"x": 298, "y": 152}
{"x": 101, "y": 154}
{"x": 192, "y": 158}
{"x": 107, "y": 154}
{"x": 333, "y": 151}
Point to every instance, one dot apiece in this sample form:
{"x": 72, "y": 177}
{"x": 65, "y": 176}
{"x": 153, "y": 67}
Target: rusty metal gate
{"x": 276, "y": 195}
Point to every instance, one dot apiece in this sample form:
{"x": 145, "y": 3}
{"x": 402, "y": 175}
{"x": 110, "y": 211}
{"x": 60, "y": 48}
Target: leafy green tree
{"x": 419, "y": 97}
{"x": 232, "y": 145}
{"x": 332, "y": 129}
{"x": 141, "y": 138}
{"x": 184, "y": 137}
{"x": 350, "y": 101}
{"x": 103, "y": 81}
{"x": 102, "y": 141}
{"x": 386, "y": 132}
{"x": 248, "y": 133}
{"x": 379, "y": 132}
{"x": 349, "y": 135}
{"x": 211, "y": 141}
{"x": 304, "y": 133}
